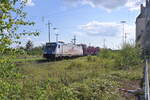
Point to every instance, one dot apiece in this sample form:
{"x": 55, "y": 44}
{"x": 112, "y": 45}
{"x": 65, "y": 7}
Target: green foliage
{"x": 107, "y": 54}
{"x": 82, "y": 91}
{"x": 127, "y": 75}
{"x": 33, "y": 91}
{"x": 8, "y": 70}
{"x": 89, "y": 78}
{"x": 32, "y": 51}
{"x": 129, "y": 56}
{"x": 29, "y": 45}
{"x": 65, "y": 93}
{"x": 77, "y": 65}
{"x": 92, "y": 58}
{"x": 96, "y": 89}
{"x": 103, "y": 89}
{"x": 11, "y": 18}
{"x": 37, "y": 51}
{"x": 10, "y": 90}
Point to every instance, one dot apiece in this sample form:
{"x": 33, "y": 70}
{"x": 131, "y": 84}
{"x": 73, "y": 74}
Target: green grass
{"x": 85, "y": 78}
{"x": 28, "y": 58}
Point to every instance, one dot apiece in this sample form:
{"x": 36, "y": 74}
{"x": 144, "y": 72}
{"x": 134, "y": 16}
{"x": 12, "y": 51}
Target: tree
{"x": 29, "y": 45}
{"x": 12, "y": 17}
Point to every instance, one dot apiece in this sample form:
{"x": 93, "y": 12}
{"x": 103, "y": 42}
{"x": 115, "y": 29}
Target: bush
{"x": 82, "y": 91}
{"x": 10, "y": 90}
{"x": 65, "y": 93}
{"x": 107, "y": 54}
{"x": 102, "y": 89}
{"x": 96, "y": 89}
{"x": 128, "y": 57}
{"x": 8, "y": 70}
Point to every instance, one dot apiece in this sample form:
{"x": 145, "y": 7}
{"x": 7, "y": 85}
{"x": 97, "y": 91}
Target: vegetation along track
{"x": 144, "y": 93}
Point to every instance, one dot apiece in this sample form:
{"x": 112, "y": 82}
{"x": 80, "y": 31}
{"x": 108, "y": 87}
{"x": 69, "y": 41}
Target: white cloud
{"x": 97, "y": 31}
{"x": 134, "y": 4}
{"x": 96, "y": 28}
{"x": 108, "y": 4}
{"x": 29, "y": 2}
{"x": 106, "y": 29}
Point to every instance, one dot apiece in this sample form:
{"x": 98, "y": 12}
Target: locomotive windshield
{"x": 50, "y": 47}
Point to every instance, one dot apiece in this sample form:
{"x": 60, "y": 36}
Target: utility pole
{"x": 57, "y": 35}
{"x": 74, "y": 40}
{"x": 123, "y": 34}
{"x": 49, "y": 31}
{"x": 89, "y": 44}
{"x": 126, "y": 34}
{"x": 104, "y": 43}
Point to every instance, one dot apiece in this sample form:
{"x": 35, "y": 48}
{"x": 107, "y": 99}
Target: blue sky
{"x": 91, "y": 21}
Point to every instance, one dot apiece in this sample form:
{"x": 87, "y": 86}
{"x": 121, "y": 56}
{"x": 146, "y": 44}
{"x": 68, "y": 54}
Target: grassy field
{"x": 85, "y": 78}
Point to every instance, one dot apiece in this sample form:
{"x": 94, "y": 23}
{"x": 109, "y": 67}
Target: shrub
{"x": 128, "y": 56}
{"x": 102, "y": 88}
{"x": 8, "y": 70}
{"x": 65, "y": 93}
{"x": 81, "y": 90}
{"x": 96, "y": 89}
{"x": 107, "y": 54}
{"x": 10, "y": 90}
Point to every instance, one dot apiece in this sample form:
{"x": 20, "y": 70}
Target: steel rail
{"x": 146, "y": 82}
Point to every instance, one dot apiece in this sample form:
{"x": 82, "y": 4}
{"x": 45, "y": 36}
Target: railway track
{"x": 143, "y": 92}
{"x": 146, "y": 82}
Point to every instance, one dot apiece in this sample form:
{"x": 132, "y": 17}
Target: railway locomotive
{"x": 61, "y": 50}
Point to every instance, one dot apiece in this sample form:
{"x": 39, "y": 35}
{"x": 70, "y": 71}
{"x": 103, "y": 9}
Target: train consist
{"x": 61, "y": 50}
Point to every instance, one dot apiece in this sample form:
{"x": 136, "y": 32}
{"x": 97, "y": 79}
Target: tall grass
{"x": 86, "y": 78}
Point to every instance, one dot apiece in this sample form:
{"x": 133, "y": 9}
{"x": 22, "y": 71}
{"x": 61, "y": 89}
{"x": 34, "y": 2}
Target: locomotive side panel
{"x": 72, "y": 50}
{"x": 59, "y": 50}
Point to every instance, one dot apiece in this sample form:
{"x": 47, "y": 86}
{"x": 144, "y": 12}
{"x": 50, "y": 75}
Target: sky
{"x": 93, "y": 22}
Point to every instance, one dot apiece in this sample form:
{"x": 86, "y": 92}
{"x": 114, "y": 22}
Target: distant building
{"x": 143, "y": 27}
